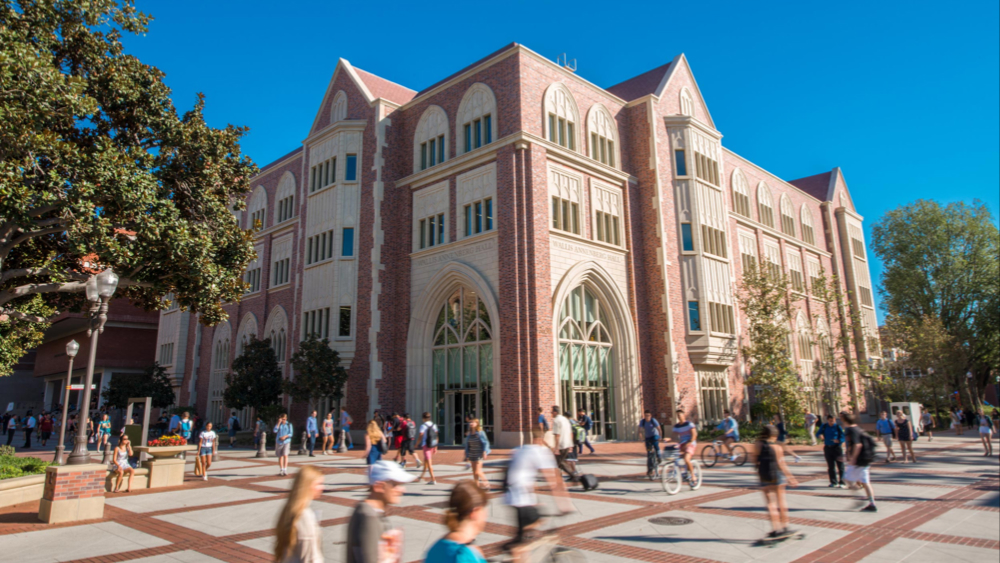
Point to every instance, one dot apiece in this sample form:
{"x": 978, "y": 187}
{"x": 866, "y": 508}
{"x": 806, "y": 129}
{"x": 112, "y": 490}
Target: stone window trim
{"x": 478, "y": 104}
{"x": 276, "y": 332}
{"x": 561, "y": 117}
{"x": 338, "y": 108}
{"x": 430, "y": 205}
{"x": 787, "y": 216}
{"x": 476, "y": 188}
{"x": 566, "y": 205}
{"x": 284, "y": 209}
{"x": 741, "y": 194}
{"x": 166, "y": 357}
{"x": 247, "y": 330}
{"x": 257, "y": 210}
{"x": 807, "y": 228}
{"x": 607, "y": 214}
{"x": 686, "y": 101}
{"x": 602, "y": 136}
{"x": 345, "y": 323}
{"x": 765, "y": 205}
{"x": 431, "y": 128}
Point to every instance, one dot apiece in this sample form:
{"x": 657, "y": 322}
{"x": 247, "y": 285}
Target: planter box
{"x": 165, "y": 468}
{"x": 164, "y": 452}
{"x": 21, "y": 489}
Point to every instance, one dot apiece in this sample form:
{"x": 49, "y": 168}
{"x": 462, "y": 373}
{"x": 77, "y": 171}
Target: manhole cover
{"x": 670, "y": 521}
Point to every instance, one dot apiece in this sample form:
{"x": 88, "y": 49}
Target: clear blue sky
{"x": 903, "y": 96}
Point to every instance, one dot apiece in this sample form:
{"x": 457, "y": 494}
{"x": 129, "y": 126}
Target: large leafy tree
{"x": 153, "y": 383}
{"x": 943, "y": 262}
{"x": 98, "y": 169}
{"x": 318, "y": 372}
{"x": 255, "y": 380}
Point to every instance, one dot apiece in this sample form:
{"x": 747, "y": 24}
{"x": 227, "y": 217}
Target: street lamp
{"x": 99, "y": 290}
{"x": 71, "y": 349}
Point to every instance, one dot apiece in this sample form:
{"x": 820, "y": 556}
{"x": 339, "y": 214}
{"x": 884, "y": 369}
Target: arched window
{"x": 476, "y": 124}
{"x": 220, "y": 368}
{"x": 430, "y": 142}
{"x": 462, "y": 360}
{"x": 805, "y": 338}
{"x": 765, "y": 207}
{"x": 741, "y": 193}
{"x": 284, "y": 209}
{"x": 687, "y": 103}
{"x": 338, "y": 110}
{"x": 257, "y": 210}
{"x": 586, "y": 360}
{"x": 807, "y": 225}
{"x": 787, "y": 216}
{"x": 603, "y": 132}
{"x": 276, "y": 330}
{"x": 561, "y": 116}
{"x": 248, "y": 330}
{"x": 824, "y": 341}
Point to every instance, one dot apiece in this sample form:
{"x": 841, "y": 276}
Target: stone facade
{"x": 514, "y": 237}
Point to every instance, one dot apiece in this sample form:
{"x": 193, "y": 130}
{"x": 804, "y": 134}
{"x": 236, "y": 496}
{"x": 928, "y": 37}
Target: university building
{"x": 515, "y": 237}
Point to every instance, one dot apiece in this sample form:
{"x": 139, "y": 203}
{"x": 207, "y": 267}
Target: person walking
{"x": 584, "y": 420}
{"x": 928, "y": 423}
{"x": 466, "y": 519}
{"x": 985, "y": 432}
{"x": 283, "y": 443}
{"x": 779, "y": 422}
{"x": 542, "y": 422}
{"x": 428, "y": 446}
{"x": 562, "y": 430}
{"x": 370, "y": 538}
{"x": 956, "y": 421}
{"x": 258, "y": 429}
{"x": 298, "y": 537}
{"x": 774, "y": 476}
{"x": 312, "y": 432}
{"x": 233, "y": 426}
{"x": 650, "y": 428}
{"x": 833, "y": 450}
{"x": 345, "y": 428}
{"x": 45, "y": 428}
{"x": 811, "y": 420}
{"x": 860, "y": 453}
{"x": 207, "y": 444}
{"x": 185, "y": 426}
{"x": 375, "y": 443}
{"x": 29, "y": 426}
{"x": 175, "y": 424}
{"x": 328, "y": 446}
{"x": 122, "y": 453}
{"x": 885, "y": 430}
{"x": 409, "y": 430}
{"x": 905, "y": 433}
{"x": 12, "y": 424}
{"x": 477, "y": 449}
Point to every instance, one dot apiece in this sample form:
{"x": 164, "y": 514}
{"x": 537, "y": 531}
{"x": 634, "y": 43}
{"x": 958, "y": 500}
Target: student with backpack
{"x": 833, "y": 451}
{"x": 584, "y": 420}
{"x": 409, "y": 433}
{"x": 477, "y": 448}
{"x": 234, "y": 427}
{"x": 860, "y": 454}
{"x": 428, "y": 446}
{"x": 345, "y": 428}
{"x": 774, "y": 476}
{"x": 650, "y": 428}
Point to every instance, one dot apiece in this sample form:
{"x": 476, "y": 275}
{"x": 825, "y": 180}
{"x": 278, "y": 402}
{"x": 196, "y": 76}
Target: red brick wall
{"x": 74, "y": 485}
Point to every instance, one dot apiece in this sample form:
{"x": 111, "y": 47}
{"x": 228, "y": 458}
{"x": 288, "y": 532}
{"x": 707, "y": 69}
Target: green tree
{"x": 944, "y": 262}
{"x": 255, "y": 380}
{"x": 153, "y": 383}
{"x": 318, "y": 372}
{"x": 98, "y": 169}
{"x": 763, "y": 299}
{"x": 923, "y": 345}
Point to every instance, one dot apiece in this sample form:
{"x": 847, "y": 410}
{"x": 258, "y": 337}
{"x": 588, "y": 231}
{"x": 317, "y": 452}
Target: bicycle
{"x": 673, "y": 473}
{"x": 712, "y": 452}
{"x": 544, "y": 549}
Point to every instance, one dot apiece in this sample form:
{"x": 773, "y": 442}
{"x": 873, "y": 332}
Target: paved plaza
{"x": 944, "y": 508}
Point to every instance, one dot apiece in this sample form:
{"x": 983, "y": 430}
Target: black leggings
{"x": 834, "y": 463}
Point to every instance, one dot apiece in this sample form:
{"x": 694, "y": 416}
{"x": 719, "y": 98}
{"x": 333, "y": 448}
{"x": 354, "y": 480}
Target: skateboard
{"x": 771, "y": 542}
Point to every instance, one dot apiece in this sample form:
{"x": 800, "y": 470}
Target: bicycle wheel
{"x": 740, "y": 455}
{"x": 670, "y": 478}
{"x": 697, "y": 474}
{"x": 561, "y": 554}
{"x": 709, "y": 456}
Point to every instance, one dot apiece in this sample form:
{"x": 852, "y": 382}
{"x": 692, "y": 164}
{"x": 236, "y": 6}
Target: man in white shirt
{"x": 562, "y": 430}
{"x": 525, "y": 465}
{"x": 29, "y": 427}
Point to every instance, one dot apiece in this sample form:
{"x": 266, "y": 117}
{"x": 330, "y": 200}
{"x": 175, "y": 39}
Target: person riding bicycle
{"x": 650, "y": 428}
{"x": 687, "y": 443}
{"x": 525, "y": 465}
{"x": 731, "y": 433}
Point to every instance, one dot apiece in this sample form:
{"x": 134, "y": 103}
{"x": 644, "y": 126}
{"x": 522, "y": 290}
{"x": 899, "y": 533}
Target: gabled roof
{"x": 642, "y": 85}
{"x": 817, "y": 186}
{"x": 503, "y": 49}
{"x": 382, "y": 88}
{"x": 274, "y": 162}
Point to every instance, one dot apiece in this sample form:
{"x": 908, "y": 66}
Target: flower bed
{"x": 167, "y": 441}
{"x": 11, "y": 466}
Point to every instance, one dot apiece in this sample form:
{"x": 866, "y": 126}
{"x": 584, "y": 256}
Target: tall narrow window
{"x": 440, "y": 146}
{"x": 687, "y": 237}
{"x": 351, "y": 171}
{"x": 565, "y": 215}
{"x": 347, "y": 243}
{"x": 694, "y": 316}
{"x": 344, "y": 330}
{"x": 488, "y": 129}
{"x": 680, "y": 163}
{"x": 468, "y": 137}
{"x": 606, "y": 228}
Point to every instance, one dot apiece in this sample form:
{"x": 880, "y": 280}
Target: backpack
{"x": 767, "y": 464}
{"x": 579, "y": 434}
{"x": 432, "y": 436}
{"x": 236, "y": 425}
{"x": 411, "y": 430}
{"x": 867, "y": 455}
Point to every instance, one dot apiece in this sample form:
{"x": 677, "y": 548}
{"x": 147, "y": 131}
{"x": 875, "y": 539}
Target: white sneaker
{"x": 797, "y": 459}
{"x": 204, "y": 477}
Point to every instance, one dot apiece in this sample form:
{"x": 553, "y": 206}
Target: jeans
{"x": 312, "y": 443}
{"x": 586, "y": 442}
{"x": 27, "y": 437}
{"x": 834, "y": 463}
{"x": 652, "y": 447}
{"x": 10, "y": 436}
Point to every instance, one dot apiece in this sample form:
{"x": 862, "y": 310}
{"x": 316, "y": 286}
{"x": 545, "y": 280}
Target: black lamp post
{"x": 71, "y": 349}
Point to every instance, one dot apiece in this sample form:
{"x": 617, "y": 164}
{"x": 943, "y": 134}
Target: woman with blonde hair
{"x": 477, "y": 447}
{"x": 375, "y": 444}
{"x": 299, "y": 537}
{"x": 466, "y": 518}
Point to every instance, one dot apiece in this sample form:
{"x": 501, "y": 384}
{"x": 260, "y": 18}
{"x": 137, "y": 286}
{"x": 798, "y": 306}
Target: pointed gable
{"x": 679, "y": 88}
{"x": 382, "y": 88}
{"x": 817, "y": 185}
{"x": 641, "y": 85}
{"x": 361, "y": 86}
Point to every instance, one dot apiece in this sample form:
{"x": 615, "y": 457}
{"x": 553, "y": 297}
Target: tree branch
{"x": 10, "y": 313}
{"x": 34, "y": 288}
{"x": 5, "y": 249}
{"x": 25, "y": 272}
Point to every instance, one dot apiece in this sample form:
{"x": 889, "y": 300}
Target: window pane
{"x": 575, "y": 217}
{"x": 423, "y": 238}
{"x": 552, "y": 127}
{"x": 614, "y": 226}
{"x": 570, "y": 136}
{"x": 345, "y": 321}
{"x": 694, "y": 316}
{"x": 454, "y": 367}
{"x": 431, "y": 230}
{"x": 347, "y": 248}
{"x": 593, "y": 146}
{"x": 441, "y": 148}
{"x": 687, "y": 239}
{"x": 326, "y": 322}
{"x": 440, "y": 238}
{"x": 423, "y": 156}
{"x": 562, "y": 131}
{"x": 679, "y": 163}
{"x": 333, "y": 171}
{"x": 566, "y": 224}
{"x": 489, "y": 214}
{"x": 468, "y": 220}
{"x": 432, "y": 152}
{"x": 351, "y": 174}
{"x": 468, "y": 137}
{"x": 611, "y": 153}
{"x": 469, "y": 365}
{"x": 479, "y": 217}
{"x": 600, "y": 226}
{"x": 488, "y": 129}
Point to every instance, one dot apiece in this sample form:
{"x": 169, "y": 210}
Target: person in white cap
{"x": 370, "y": 539}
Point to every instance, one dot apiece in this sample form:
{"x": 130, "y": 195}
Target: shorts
{"x": 46, "y": 435}
{"x": 429, "y": 453}
{"x": 781, "y": 480}
{"x": 526, "y": 517}
{"x": 985, "y": 430}
{"x": 856, "y": 474}
{"x": 205, "y": 451}
{"x": 406, "y": 446}
{"x": 281, "y": 450}
{"x": 688, "y": 448}
{"x": 232, "y": 432}
{"x": 887, "y": 440}
{"x": 123, "y": 466}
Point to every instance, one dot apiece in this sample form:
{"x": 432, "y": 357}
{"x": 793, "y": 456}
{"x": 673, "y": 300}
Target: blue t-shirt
{"x": 730, "y": 424}
{"x": 447, "y": 551}
{"x": 544, "y": 422}
{"x": 284, "y": 429}
{"x": 885, "y": 426}
{"x": 651, "y": 427}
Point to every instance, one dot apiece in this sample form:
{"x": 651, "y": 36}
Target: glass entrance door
{"x": 460, "y": 407}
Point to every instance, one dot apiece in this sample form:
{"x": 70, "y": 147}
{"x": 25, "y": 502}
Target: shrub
{"x": 11, "y": 466}
{"x": 6, "y": 450}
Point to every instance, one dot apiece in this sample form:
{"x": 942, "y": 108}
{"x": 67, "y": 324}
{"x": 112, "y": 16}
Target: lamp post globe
{"x": 72, "y": 347}
{"x": 107, "y": 283}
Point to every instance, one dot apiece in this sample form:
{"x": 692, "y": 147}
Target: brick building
{"x": 514, "y": 236}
